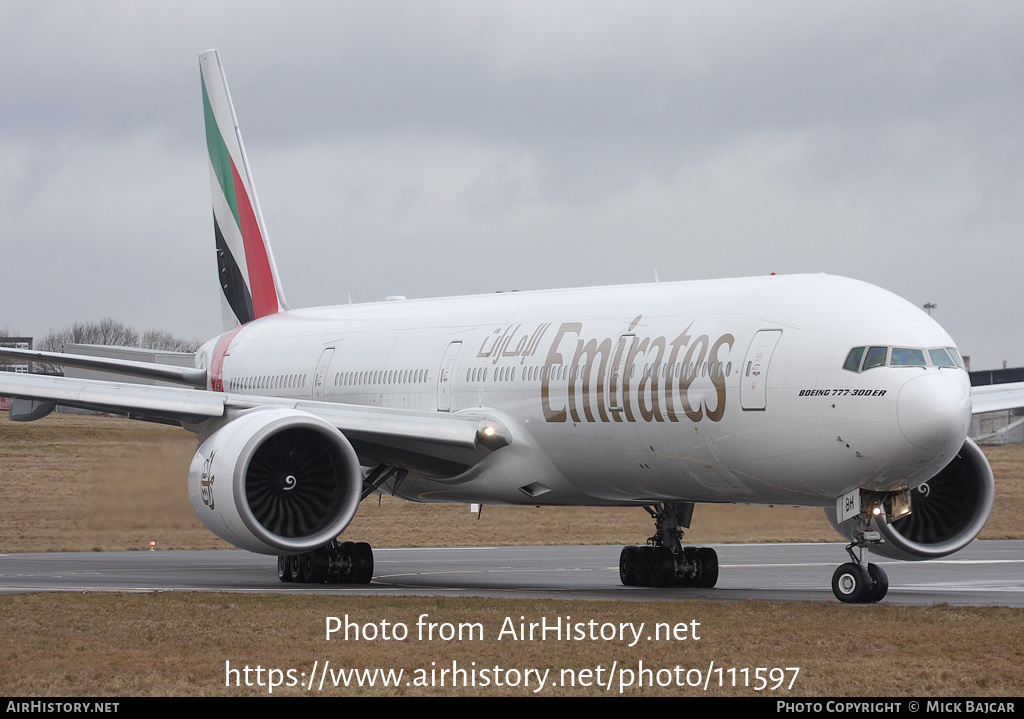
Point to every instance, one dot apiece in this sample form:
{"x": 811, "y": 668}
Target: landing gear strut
{"x": 664, "y": 561}
{"x": 334, "y": 563}
{"x": 858, "y": 581}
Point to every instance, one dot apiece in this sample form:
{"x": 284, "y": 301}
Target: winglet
{"x": 248, "y": 275}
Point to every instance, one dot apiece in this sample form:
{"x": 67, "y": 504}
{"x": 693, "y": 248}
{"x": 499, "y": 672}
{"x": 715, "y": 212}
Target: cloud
{"x": 445, "y": 148}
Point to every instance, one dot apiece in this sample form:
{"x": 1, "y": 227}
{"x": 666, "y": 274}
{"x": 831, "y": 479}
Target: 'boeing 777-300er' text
{"x": 808, "y": 390}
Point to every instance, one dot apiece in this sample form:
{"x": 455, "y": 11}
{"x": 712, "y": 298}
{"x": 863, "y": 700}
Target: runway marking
{"x": 887, "y": 562}
{"x": 798, "y": 576}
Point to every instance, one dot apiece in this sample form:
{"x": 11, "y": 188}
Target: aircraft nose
{"x": 934, "y": 411}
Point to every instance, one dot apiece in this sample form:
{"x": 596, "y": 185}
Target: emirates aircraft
{"x": 806, "y": 390}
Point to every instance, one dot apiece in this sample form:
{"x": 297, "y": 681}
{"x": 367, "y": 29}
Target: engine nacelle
{"x": 947, "y": 512}
{"x": 276, "y": 481}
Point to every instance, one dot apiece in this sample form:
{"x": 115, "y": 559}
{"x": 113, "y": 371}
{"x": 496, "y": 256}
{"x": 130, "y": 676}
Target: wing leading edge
{"x": 434, "y": 443}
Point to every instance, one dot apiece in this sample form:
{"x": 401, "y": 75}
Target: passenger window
{"x": 876, "y": 357}
{"x": 853, "y": 359}
{"x": 904, "y": 357}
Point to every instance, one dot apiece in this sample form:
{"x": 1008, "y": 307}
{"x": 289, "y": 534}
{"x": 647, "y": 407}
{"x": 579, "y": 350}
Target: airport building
{"x": 136, "y": 354}
{"x": 1004, "y": 426}
{"x": 20, "y": 343}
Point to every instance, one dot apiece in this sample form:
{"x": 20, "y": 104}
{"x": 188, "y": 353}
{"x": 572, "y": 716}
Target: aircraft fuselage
{"x": 716, "y": 391}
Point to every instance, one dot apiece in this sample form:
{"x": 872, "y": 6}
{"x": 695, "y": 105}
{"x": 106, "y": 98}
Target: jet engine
{"x": 947, "y": 511}
{"x": 276, "y": 481}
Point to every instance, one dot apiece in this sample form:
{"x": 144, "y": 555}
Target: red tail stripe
{"x": 261, "y": 278}
{"x": 217, "y": 362}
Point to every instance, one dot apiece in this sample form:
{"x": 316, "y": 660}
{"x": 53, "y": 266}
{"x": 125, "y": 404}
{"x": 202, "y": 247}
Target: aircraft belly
{"x": 741, "y": 462}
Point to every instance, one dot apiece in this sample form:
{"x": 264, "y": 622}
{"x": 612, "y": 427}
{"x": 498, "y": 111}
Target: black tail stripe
{"x": 232, "y": 282}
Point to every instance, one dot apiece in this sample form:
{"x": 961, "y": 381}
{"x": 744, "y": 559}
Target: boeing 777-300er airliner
{"x": 808, "y": 390}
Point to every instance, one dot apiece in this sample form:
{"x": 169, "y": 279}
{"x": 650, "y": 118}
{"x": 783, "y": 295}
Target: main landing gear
{"x": 339, "y": 562}
{"x": 335, "y": 563}
{"x": 664, "y": 561}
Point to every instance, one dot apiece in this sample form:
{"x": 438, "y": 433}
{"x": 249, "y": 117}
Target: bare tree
{"x": 109, "y": 331}
{"x": 164, "y": 340}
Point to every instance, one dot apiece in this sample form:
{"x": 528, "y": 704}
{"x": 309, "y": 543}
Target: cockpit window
{"x": 941, "y": 358}
{"x": 905, "y": 357}
{"x": 853, "y": 359}
{"x": 955, "y": 354}
{"x": 876, "y": 357}
{"x": 865, "y": 358}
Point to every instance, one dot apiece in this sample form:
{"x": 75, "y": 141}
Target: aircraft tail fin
{"x": 245, "y": 263}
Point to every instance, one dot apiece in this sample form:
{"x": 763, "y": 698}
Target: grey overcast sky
{"x": 441, "y": 148}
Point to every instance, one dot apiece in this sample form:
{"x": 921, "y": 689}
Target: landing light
{"x": 492, "y": 434}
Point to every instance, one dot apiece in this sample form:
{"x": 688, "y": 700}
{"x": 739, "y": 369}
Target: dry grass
{"x": 179, "y": 644}
{"x": 83, "y": 483}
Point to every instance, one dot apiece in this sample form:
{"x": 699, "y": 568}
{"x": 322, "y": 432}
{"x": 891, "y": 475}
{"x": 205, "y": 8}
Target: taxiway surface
{"x": 984, "y": 574}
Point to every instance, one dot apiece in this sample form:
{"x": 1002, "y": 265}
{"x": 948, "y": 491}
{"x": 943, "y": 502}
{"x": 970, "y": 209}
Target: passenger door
{"x": 753, "y": 387}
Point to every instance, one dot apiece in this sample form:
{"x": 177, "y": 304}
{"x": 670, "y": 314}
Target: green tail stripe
{"x": 219, "y": 155}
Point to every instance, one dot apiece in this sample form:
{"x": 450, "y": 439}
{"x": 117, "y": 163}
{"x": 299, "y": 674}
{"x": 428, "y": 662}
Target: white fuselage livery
{"x": 716, "y": 391}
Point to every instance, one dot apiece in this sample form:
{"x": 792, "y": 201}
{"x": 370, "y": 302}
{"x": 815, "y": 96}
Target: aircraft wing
{"x": 149, "y": 370}
{"x": 996, "y": 397}
{"x": 438, "y": 443}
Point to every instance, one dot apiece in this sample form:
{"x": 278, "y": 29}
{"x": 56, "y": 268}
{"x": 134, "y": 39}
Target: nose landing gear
{"x": 858, "y": 581}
